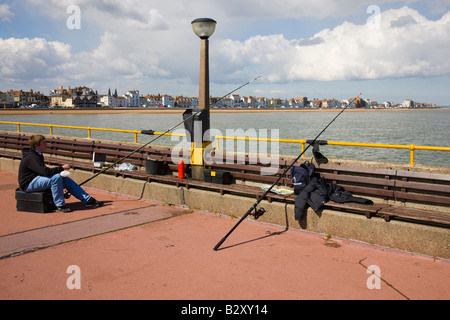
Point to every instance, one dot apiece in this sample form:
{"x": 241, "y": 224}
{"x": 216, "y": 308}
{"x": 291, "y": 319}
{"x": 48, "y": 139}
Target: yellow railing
{"x": 303, "y": 142}
{"x": 89, "y": 129}
{"x": 411, "y": 147}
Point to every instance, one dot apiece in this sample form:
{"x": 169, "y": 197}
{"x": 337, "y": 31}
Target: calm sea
{"x": 418, "y": 127}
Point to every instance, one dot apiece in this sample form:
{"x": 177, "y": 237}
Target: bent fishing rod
{"x": 67, "y": 194}
{"x": 261, "y": 211}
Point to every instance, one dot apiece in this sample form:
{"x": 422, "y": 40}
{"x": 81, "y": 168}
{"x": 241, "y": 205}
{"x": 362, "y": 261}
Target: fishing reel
{"x": 258, "y": 213}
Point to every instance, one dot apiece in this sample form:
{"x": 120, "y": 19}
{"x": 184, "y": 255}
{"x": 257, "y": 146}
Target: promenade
{"x": 140, "y": 249}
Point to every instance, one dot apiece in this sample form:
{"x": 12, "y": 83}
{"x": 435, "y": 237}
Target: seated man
{"x": 34, "y": 176}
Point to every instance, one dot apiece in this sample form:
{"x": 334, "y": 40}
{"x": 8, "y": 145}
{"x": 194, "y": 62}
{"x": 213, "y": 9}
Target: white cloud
{"x": 130, "y": 49}
{"x": 402, "y": 44}
{"x": 146, "y": 42}
{"x": 290, "y": 9}
{"x": 138, "y": 37}
{"x": 123, "y": 13}
{"x": 5, "y": 13}
{"x": 115, "y": 61}
{"x": 31, "y": 58}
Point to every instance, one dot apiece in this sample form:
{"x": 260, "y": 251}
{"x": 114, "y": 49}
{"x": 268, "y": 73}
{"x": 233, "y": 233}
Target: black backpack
{"x": 301, "y": 175}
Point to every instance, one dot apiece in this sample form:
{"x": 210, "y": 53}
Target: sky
{"x": 386, "y": 50}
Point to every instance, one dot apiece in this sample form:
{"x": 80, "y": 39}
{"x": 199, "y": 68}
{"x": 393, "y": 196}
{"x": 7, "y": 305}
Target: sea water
{"x": 418, "y": 127}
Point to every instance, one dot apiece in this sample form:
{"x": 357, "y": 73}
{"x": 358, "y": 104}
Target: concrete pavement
{"x": 141, "y": 249}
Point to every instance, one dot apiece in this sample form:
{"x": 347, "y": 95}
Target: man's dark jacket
{"x": 31, "y": 166}
{"x": 318, "y": 192}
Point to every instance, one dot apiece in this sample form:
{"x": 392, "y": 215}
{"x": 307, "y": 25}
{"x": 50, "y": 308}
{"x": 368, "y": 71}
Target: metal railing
{"x": 89, "y": 129}
{"x": 302, "y": 142}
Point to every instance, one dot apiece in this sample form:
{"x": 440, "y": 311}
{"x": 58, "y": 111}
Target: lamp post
{"x": 203, "y": 28}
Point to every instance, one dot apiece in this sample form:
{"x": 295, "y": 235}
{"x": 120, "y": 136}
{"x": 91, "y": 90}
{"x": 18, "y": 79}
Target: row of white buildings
{"x": 129, "y": 99}
{"x": 134, "y": 99}
{"x": 84, "y": 97}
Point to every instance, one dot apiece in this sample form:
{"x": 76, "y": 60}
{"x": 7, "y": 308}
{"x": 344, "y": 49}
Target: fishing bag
{"x": 301, "y": 175}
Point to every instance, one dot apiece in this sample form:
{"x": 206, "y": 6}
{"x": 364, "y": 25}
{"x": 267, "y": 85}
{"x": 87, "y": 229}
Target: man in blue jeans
{"x": 34, "y": 176}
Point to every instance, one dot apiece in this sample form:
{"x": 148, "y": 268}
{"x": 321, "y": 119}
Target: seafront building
{"x": 84, "y": 97}
{"x": 17, "y": 98}
{"x": 78, "y": 97}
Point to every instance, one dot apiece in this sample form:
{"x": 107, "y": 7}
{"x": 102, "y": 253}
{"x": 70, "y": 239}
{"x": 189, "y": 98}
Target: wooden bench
{"x": 71, "y": 149}
{"x": 393, "y": 191}
{"x": 13, "y": 143}
{"x": 74, "y": 150}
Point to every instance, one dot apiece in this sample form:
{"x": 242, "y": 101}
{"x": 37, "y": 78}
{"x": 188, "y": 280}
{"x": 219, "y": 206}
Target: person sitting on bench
{"x": 35, "y": 176}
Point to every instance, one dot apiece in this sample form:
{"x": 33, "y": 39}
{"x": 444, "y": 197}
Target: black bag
{"x": 301, "y": 175}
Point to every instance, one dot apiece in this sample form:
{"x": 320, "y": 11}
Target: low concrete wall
{"x": 418, "y": 238}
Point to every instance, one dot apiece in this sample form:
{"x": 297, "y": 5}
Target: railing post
{"x": 411, "y": 156}
{"x": 89, "y": 132}
{"x": 303, "y": 142}
{"x": 51, "y": 129}
{"x": 217, "y": 142}
{"x": 18, "y": 127}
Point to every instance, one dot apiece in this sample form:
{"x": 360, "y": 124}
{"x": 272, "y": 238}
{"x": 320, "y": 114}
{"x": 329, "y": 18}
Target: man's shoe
{"x": 92, "y": 203}
{"x": 63, "y": 209}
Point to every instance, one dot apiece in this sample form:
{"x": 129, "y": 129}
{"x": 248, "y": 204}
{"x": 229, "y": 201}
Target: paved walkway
{"x": 140, "y": 249}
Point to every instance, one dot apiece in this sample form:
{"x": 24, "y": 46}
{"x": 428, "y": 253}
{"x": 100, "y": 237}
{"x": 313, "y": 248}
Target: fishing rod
{"x": 261, "y": 211}
{"x": 151, "y": 132}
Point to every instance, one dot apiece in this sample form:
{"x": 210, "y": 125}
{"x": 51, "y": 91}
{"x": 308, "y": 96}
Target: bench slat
{"x": 416, "y": 214}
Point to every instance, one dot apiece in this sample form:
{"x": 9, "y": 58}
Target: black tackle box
{"x": 220, "y": 177}
{"x": 39, "y": 202}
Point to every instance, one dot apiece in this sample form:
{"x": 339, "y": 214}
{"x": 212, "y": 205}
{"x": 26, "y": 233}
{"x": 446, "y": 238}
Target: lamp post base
{"x": 198, "y": 172}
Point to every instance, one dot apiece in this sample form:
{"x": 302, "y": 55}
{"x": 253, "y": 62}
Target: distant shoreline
{"x": 177, "y": 111}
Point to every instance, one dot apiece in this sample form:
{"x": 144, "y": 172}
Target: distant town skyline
{"x": 83, "y": 96}
{"x": 388, "y": 50}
